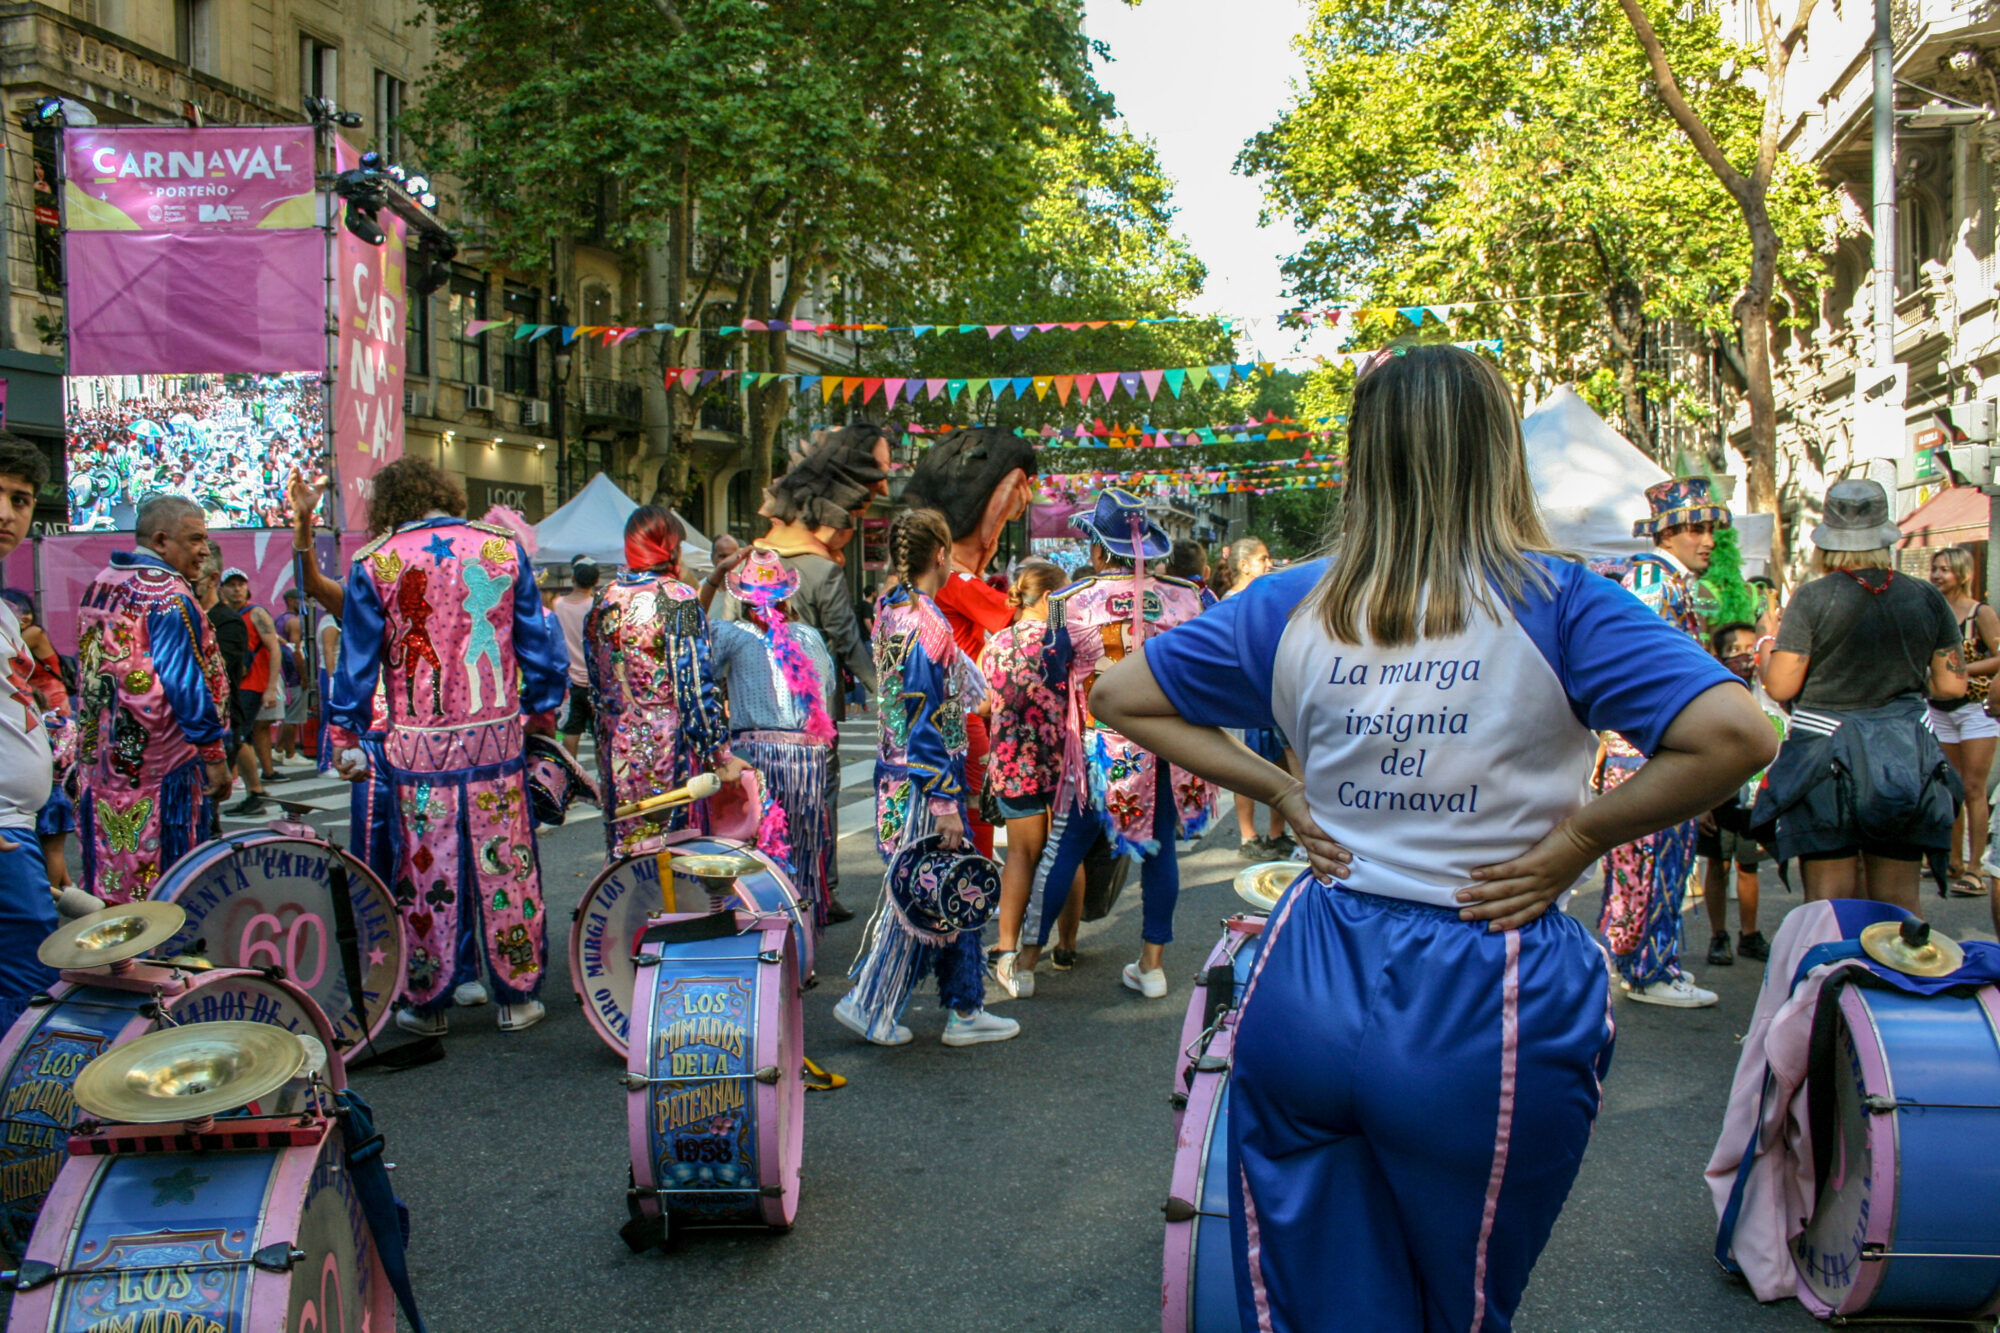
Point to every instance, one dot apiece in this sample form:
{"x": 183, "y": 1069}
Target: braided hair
{"x": 915, "y": 539}
{"x": 1034, "y": 581}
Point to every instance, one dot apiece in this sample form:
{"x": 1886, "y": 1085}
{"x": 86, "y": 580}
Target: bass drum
{"x": 1906, "y": 1225}
{"x": 1198, "y": 1280}
{"x": 1218, "y": 993}
{"x": 264, "y": 898}
{"x": 84, "y": 1016}
{"x": 270, "y": 1238}
{"x": 627, "y": 894}
{"x": 716, "y": 1101}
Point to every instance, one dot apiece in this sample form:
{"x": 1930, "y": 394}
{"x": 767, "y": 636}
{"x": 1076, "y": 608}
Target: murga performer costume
{"x": 1645, "y": 881}
{"x": 658, "y": 720}
{"x": 1109, "y": 784}
{"x": 449, "y": 611}
{"x": 151, "y": 701}
{"x": 919, "y": 776}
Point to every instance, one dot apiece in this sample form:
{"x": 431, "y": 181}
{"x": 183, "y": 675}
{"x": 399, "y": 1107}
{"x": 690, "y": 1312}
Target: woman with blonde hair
{"x": 1859, "y": 649}
{"x": 1965, "y": 727}
{"x": 1419, "y": 1049}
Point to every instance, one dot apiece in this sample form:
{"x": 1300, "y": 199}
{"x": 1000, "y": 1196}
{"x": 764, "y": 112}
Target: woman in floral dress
{"x": 1026, "y": 761}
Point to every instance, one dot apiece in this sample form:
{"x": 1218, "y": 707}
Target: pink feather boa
{"x": 801, "y": 676}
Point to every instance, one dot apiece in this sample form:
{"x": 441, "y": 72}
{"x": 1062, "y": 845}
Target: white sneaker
{"x": 1152, "y": 985}
{"x": 1018, "y": 984}
{"x": 520, "y": 1017}
{"x": 982, "y": 1026}
{"x": 471, "y": 994}
{"x": 1676, "y": 993}
{"x": 433, "y": 1026}
{"x": 848, "y": 1014}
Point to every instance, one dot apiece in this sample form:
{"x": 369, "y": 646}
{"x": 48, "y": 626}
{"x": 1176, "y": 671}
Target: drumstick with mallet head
{"x": 700, "y": 787}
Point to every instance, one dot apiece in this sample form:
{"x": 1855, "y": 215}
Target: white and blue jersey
{"x": 1411, "y": 1094}
{"x": 1430, "y": 759}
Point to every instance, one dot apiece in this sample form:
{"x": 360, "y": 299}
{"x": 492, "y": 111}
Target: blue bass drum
{"x": 1905, "y": 1116}
{"x": 716, "y": 1097}
{"x": 1198, "y": 1286}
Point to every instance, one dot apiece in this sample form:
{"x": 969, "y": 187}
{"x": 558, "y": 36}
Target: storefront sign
{"x": 521, "y": 497}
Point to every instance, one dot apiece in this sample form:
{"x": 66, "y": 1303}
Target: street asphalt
{"x": 1016, "y": 1185}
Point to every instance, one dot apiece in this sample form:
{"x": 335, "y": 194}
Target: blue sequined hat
{"x": 1118, "y": 519}
{"x": 940, "y": 892}
{"x": 1679, "y": 502}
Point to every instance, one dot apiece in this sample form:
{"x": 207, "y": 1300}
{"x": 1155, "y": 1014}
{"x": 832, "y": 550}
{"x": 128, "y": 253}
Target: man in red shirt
{"x": 979, "y": 478}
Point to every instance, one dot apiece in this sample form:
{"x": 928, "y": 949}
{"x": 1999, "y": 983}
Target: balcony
{"x": 608, "y": 400}
{"x": 723, "y": 414}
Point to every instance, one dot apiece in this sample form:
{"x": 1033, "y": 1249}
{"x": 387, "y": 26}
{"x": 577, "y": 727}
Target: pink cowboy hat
{"x": 762, "y": 579}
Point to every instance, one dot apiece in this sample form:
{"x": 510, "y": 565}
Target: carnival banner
{"x": 373, "y": 304}
{"x": 192, "y": 250}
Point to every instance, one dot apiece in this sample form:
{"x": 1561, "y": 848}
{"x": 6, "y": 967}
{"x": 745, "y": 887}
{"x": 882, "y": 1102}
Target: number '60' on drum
{"x": 267, "y": 899}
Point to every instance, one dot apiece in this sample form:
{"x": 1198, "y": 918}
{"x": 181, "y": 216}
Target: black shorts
{"x": 1731, "y": 837}
{"x": 244, "y": 705}
{"x": 577, "y": 717}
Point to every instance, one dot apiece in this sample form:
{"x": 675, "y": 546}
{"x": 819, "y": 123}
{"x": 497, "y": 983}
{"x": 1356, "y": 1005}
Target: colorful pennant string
{"x": 614, "y": 333}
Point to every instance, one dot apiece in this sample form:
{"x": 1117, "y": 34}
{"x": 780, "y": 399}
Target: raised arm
{"x": 305, "y": 498}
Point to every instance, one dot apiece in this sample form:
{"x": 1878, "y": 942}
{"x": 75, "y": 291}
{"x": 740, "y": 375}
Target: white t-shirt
{"x": 1434, "y": 758}
{"x": 26, "y": 765}
{"x": 570, "y": 614}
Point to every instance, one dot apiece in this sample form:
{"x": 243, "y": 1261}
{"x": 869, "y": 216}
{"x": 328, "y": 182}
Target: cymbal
{"x": 112, "y": 935}
{"x": 188, "y": 1072}
{"x": 1912, "y": 948}
{"x": 717, "y": 867}
{"x": 1263, "y": 884}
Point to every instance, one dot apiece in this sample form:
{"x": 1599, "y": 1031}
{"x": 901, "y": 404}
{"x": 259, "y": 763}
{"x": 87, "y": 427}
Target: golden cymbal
{"x": 1263, "y": 884}
{"x": 111, "y": 935}
{"x": 188, "y": 1072}
{"x": 1913, "y": 948}
{"x": 717, "y": 868}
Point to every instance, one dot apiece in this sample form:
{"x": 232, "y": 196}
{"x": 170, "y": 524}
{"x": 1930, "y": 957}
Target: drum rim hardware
{"x": 143, "y": 925}
{"x": 766, "y": 1074}
{"x": 277, "y": 1257}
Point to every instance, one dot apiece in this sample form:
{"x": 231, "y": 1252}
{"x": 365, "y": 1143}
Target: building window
{"x": 596, "y": 311}
{"x": 417, "y": 335}
{"x": 319, "y": 69}
{"x": 1919, "y": 238}
{"x": 519, "y": 359}
{"x": 388, "y": 110}
{"x": 468, "y": 302}
{"x": 194, "y": 37}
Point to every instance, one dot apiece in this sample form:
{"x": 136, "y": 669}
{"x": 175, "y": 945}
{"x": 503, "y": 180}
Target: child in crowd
{"x": 1722, "y": 837}
{"x": 1025, "y": 765}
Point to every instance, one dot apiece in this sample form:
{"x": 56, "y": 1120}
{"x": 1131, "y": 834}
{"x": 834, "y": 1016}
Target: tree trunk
{"x": 1753, "y": 314}
{"x": 1625, "y": 326}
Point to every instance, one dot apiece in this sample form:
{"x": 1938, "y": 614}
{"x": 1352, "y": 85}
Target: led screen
{"x": 227, "y": 442}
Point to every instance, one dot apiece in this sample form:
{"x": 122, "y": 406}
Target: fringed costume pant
{"x": 793, "y": 768}
{"x": 893, "y": 962}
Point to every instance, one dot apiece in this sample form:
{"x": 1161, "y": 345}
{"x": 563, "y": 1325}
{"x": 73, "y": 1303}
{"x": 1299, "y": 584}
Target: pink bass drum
{"x": 1217, "y": 993}
{"x": 250, "y": 1225}
{"x": 716, "y": 1102}
{"x": 281, "y": 897}
{"x": 622, "y": 899}
{"x": 88, "y": 1012}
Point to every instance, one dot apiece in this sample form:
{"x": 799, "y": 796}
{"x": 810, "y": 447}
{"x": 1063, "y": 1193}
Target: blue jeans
{"x": 27, "y": 915}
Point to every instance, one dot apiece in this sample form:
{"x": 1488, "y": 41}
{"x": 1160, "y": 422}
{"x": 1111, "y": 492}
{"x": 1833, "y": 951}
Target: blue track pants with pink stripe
{"x": 1410, "y": 1101}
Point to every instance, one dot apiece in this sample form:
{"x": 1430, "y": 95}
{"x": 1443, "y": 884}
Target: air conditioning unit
{"x": 534, "y": 412}
{"x": 416, "y": 403}
{"x": 479, "y": 397}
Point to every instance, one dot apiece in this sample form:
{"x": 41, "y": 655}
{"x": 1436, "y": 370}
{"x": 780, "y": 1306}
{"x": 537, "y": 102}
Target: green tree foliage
{"x": 756, "y": 152}
{"x": 1478, "y": 150}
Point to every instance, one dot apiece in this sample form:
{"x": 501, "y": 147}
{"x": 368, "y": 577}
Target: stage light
{"x": 363, "y": 189}
{"x": 417, "y": 183}
{"x": 427, "y": 199}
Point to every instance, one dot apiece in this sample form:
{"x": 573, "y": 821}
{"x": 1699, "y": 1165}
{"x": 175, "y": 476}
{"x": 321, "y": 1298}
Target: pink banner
{"x": 192, "y": 250}
{"x": 368, "y": 369}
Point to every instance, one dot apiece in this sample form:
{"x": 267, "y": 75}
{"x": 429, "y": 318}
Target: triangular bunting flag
{"x": 1152, "y": 381}
{"x": 1071, "y": 327}
{"x": 1020, "y": 331}
{"x": 1413, "y": 313}
{"x": 756, "y": 326}
{"x": 1131, "y": 381}
{"x": 892, "y": 390}
{"x": 1043, "y": 328}
{"x": 1439, "y": 313}
{"x": 1042, "y": 383}
{"x": 806, "y": 383}
{"x": 1244, "y": 371}
{"x": 868, "y": 390}
{"x": 995, "y": 330}
{"x": 912, "y": 389}
{"x": 921, "y": 329}
{"x": 1062, "y": 384}
{"x": 1176, "y": 378}
{"x": 974, "y": 388}
{"x": 1197, "y": 376}
{"x": 935, "y": 387}
{"x": 954, "y": 388}
{"x": 1022, "y": 383}
{"x": 1107, "y": 382}
{"x": 828, "y": 387}
{"x": 1220, "y": 374}
{"x": 968, "y": 328}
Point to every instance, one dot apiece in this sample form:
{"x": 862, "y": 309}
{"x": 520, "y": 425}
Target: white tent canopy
{"x": 593, "y": 524}
{"x": 1592, "y": 484}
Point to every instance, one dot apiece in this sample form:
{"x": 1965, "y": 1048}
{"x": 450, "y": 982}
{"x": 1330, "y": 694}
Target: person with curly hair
{"x": 446, "y": 612}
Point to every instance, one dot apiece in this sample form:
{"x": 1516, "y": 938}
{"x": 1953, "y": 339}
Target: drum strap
{"x": 388, "y": 1219}
{"x": 345, "y": 936}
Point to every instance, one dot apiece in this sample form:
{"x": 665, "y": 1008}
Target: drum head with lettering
{"x": 261, "y": 899}
{"x": 231, "y": 995}
{"x": 603, "y": 936}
